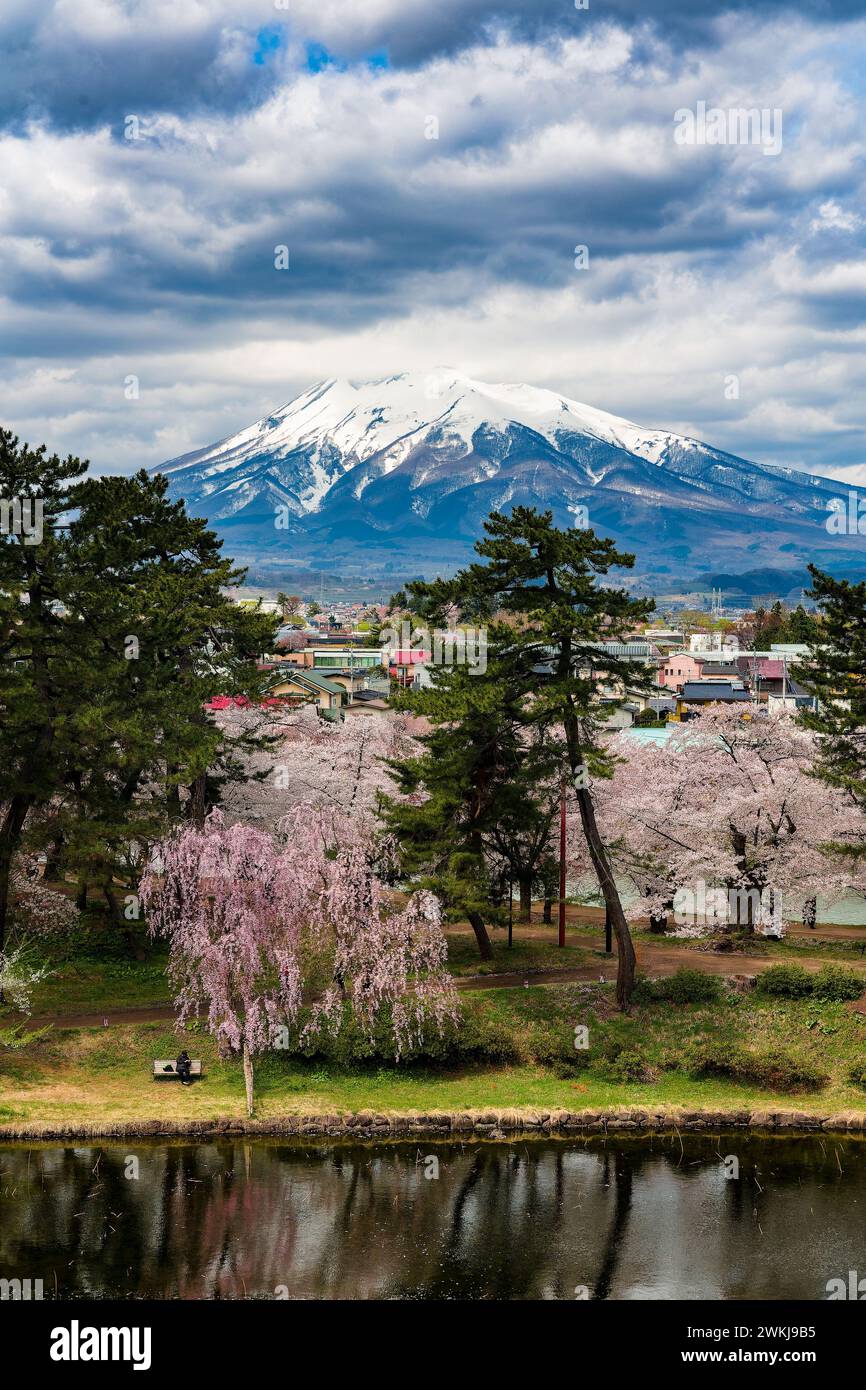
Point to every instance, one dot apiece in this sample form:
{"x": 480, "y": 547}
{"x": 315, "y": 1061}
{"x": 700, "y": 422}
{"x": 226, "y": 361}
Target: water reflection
{"x": 648, "y": 1218}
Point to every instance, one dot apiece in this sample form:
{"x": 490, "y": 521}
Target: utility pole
{"x": 562, "y": 863}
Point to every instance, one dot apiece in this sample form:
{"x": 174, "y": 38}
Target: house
{"x": 796, "y": 697}
{"x": 632, "y": 649}
{"x": 766, "y": 675}
{"x": 713, "y": 670}
{"x": 367, "y": 702}
{"x": 343, "y": 658}
{"x": 404, "y": 664}
{"x": 355, "y": 683}
{"x": 711, "y": 692}
{"x": 310, "y": 687}
{"x": 665, "y": 638}
{"x": 710, "y": 643}
{"x": 677, "y": 668}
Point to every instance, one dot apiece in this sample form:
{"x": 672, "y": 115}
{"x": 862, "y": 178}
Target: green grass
{"x": 89, "y": 983}
{"x": 103, "y": 1077}
{"x": 526, "y": 954}
{"x": 93, "y": 981}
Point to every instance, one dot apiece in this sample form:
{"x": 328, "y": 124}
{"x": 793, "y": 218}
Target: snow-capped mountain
{"x": 402, "y": 472}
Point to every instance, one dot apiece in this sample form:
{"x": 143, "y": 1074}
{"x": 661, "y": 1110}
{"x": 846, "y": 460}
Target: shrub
{"x": 832, "y": 982}
{"x": 632, "y": 1066}
{"x": 837, "y": 982}
{"x": 857, "y": 1074}
{"x": 556, "y": 1050}
{"x": 776, "y": 1072}
{"x": 684, "y": 987}
{"x": 479, "y": 1037}
{"x": 787, "y": 981}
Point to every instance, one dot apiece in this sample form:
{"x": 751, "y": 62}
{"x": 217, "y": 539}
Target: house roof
{"x": 770, "y": 670}
{"x": 706, "y": 692}
{"x": 310, "y": 680}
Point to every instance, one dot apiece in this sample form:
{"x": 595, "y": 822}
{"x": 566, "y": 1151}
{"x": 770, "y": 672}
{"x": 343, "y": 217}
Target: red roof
{"x": 408, "y": 656}
{"x": 769, "y": 669}
{"x": 242, "y": 701}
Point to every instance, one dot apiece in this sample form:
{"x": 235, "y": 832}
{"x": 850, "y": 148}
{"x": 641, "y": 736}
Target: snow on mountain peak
{"x": 337, "y": 424}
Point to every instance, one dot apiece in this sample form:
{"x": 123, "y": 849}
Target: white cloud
{"x": 155, "y": 257}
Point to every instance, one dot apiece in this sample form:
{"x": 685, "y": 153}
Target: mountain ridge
{"x": 406, "y": 467}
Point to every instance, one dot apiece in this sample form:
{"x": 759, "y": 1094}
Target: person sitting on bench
{"x": 183, "y": 1065}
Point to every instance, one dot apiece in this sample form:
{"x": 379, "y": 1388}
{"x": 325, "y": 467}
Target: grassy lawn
{"x": 89, "y": 983}
{"x": 93, "y": 982}
{"x": 103, "y": 1077}
{"x": 531, "y": 950}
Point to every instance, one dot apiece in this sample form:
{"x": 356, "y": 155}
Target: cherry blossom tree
{"x": 214, "y": 893}
{"x": 377, "y": 959}
{"x": 728, "y": 800}
{"x": 254, "y": 920}
{"x": 314, "y": 762}
{"x": 38, "y": 909}
{"x": 650, "y": 814}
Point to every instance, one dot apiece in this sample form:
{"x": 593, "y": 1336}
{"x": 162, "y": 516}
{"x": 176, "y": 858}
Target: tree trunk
{"x": 197, "y": 801}
{"x": 81, "y": 896}
{"x": 525, "y": 914}
{"x": 477, "y": 924}
{"x": 248, "y": 1078}
{"x": 658, "y": 923}
{"x": 10, "y": 839}
{"x": 548, "y": 909}
{"x": 117, "y": 917}
{"x": 810, "y": 913}
{"x": 51, "y": 872}
{"x": 625, "y": 965}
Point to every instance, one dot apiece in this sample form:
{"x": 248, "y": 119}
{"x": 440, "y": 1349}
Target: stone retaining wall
{"x": 490, "y": 1124}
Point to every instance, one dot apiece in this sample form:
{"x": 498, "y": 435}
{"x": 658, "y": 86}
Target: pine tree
{"x": 147, "y": 584}
{"x": 114, "y": 634}
{"x": 39, "y": 653}
{"x": 836, "y": 673}
{"x": 468, "y": 800}
{"x": 547, "y": 619}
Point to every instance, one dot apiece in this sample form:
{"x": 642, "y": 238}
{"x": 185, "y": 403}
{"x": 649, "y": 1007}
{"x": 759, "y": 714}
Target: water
{"x": 647, "y": 1218}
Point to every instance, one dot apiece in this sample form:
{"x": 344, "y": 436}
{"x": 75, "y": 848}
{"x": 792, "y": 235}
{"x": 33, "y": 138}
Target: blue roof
{"x": 638, "y": 735}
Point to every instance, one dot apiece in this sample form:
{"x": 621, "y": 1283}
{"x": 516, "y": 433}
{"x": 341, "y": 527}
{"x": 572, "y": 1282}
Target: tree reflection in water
{"x": 640, "y": 1218}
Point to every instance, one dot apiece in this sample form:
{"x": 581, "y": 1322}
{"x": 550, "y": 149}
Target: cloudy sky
{"x": 431, "y": 169}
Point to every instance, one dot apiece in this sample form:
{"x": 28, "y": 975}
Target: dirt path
{"x": 653, "y": 960}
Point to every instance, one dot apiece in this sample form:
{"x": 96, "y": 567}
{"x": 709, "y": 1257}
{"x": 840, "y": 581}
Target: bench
{"x": 166, "y": 1069}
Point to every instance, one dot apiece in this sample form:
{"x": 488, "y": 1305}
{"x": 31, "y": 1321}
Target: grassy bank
{"x": 515, "y": 1051}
